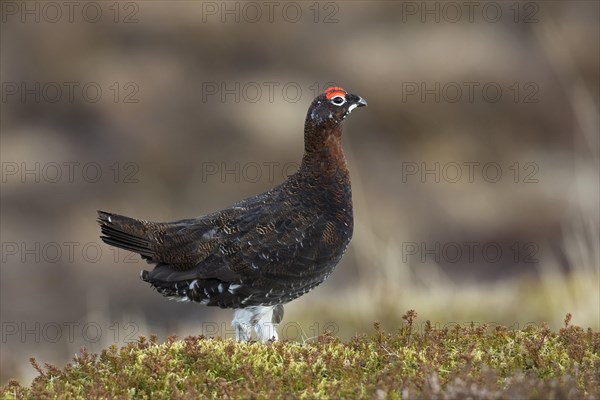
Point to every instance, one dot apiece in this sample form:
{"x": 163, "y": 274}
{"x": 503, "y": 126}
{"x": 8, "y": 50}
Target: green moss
{"x": 454, "y": 363}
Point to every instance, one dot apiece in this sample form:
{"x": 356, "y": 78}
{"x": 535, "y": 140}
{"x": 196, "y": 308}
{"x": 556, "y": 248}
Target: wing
{"x": 264, "y": 250}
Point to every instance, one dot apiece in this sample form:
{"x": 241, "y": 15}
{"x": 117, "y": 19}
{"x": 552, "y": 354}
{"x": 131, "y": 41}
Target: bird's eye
{"x": 338, "y": 100}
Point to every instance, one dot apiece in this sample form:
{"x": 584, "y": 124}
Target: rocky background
{"x": 474, "y": 168}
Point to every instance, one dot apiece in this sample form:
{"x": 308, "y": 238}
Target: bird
{"x": 263, "y": 251}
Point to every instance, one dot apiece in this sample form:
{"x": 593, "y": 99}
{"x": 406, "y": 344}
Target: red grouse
{"x": 265, "y": 250}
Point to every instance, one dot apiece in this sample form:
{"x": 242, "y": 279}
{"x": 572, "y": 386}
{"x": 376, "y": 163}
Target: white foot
{"x": 263, "y": 319}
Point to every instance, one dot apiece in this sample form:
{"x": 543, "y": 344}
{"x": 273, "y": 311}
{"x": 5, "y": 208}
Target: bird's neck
{"x": 323, "y": 153}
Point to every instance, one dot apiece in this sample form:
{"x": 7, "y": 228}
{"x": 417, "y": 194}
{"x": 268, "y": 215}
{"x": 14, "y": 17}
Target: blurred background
{"x": 475, "y": 168}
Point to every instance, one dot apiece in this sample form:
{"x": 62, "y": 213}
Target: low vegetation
{"x": 473, "y": 361}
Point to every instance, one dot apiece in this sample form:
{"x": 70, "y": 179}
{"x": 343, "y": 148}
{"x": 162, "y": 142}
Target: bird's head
{"x": 332, "y": 107}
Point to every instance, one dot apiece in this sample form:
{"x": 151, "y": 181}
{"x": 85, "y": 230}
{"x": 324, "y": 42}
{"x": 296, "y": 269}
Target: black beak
{"x": 354, "y": 101}
{"x": 359, "y": 101}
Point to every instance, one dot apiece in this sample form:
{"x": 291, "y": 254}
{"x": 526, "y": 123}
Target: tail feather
{"x": 126, "y": 233}
{"x": 172, "y": 246}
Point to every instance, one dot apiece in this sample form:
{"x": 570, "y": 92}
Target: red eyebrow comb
{"x": 331, "y": 92}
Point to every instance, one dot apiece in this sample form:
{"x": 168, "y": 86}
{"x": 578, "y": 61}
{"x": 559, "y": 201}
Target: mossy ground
{"x": 472, "y": 361}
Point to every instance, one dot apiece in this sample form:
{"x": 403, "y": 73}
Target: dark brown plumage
{"x": 265, "y": 250}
